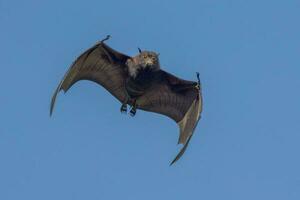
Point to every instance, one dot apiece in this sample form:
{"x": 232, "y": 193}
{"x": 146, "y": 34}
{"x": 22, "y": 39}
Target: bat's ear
{"x": 140, "y": 51}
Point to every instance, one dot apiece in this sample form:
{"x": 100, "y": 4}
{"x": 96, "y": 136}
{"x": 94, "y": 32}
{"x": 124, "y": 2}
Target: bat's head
{"x": 147, "y": 59}
{"x": 144, "y": 61}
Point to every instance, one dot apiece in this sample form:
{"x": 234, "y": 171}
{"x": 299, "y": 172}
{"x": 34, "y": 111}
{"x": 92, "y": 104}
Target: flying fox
{"x": 140, "y": 83}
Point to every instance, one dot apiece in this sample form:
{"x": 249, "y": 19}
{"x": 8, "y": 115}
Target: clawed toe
{"x": 123, "y": 109}
{"x": 132, "y": 112}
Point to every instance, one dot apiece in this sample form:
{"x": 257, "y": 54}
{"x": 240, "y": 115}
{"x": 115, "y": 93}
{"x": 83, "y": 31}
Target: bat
{"x": 139, "y": 82}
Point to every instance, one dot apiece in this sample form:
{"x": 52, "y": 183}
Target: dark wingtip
{"x": 53, "y": 100}
{"x": 51, "y": 107}
{"x": 181, "y": 152}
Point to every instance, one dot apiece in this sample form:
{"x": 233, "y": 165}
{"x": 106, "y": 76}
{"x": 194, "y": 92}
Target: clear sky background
{"x": 246, "y": 145}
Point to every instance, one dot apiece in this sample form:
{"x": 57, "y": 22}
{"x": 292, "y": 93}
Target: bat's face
{"x": 148, "y": 59}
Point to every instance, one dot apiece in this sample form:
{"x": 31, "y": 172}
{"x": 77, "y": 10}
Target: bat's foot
{"x": 132, "y": 111}
{"x": 123, "y": 109}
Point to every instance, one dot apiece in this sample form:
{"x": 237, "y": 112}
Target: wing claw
{"x": 107, "y": 38}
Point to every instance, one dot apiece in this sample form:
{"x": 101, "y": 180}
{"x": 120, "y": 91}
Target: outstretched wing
{"x": 178, "y": 99}
{"x": 100, "y": 64}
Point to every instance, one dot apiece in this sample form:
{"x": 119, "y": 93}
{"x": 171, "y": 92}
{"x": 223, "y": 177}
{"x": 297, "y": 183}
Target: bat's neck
{"x": 138, "y": 71}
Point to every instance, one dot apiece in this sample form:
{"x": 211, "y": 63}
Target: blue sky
{"x": 246, "y": 145}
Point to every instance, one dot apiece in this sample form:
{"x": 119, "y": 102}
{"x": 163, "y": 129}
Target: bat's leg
{"x": 123, "y": 108}
{"x": 133, "y": 108}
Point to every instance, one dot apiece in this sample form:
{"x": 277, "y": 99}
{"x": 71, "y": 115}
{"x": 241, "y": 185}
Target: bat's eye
{"x": 144, "y": 56}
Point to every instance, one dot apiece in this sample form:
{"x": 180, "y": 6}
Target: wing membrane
{"x": 178, "y": 99}
{"x": 100, "y": 64}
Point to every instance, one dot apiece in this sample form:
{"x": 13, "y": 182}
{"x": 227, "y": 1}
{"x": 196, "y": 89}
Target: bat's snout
{"x": 149, "y": 62}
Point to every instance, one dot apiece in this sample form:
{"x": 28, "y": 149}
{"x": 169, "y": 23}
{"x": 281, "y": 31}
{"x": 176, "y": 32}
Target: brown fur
{"x": 146, "y": 59}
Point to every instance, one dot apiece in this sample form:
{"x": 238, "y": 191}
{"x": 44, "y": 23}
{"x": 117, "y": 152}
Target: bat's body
{"x": 139, "y": 82}
{"x": 136, "y": 87}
